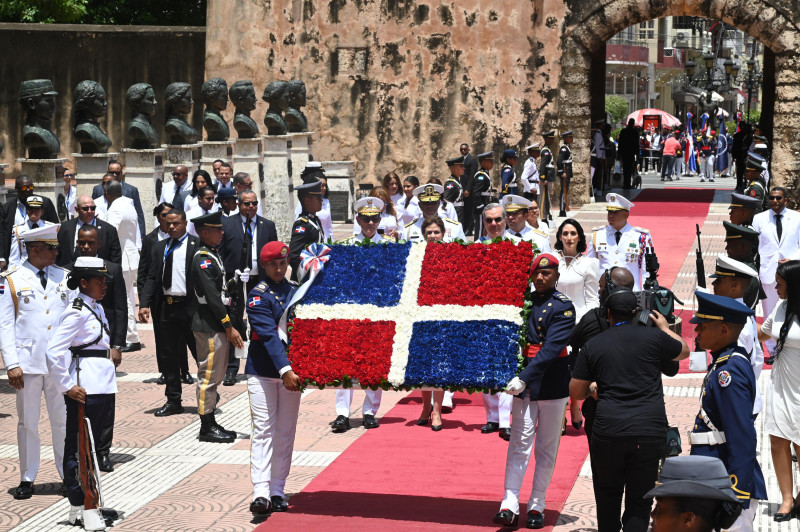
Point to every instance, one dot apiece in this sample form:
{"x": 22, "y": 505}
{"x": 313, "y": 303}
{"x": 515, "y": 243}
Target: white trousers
{"x": 542, "y": 420}
{"x": 745, "y": 521}
{"x": 132, "y": 335}
{"x": 372, "y": 402}
{"x": 498, "y": 408}
{"x": 273, "y": 410}
{"x": 768, "y": 305}
{"x": 28, "y": 411}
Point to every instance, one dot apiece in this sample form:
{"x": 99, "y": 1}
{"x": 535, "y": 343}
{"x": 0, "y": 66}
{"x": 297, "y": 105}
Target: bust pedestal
{"x": 211, "y": 150}
{"x": 43, "y": 174}
{"x": 3, "y": 189}
{"x": 90, "y": 168}
{"x": 187, "y": 155}
{"x": 144, "y": 169}
{"x": 341, "y": 190}
{"x": 299, "y": 153}
{"x": 276, "y": 195}
{"x": 248, "y": 157}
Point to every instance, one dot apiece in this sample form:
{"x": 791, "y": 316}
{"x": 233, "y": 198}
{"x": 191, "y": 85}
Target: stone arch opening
{"x": 588, "y": 27}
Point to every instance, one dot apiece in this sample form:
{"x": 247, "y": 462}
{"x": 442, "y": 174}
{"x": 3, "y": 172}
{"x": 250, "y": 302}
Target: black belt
{"x": 169, "y": 300}
{"x": 91, "y": 353}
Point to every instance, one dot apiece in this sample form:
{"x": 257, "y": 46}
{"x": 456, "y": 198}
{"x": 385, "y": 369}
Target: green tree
{"x": 43, "y": 11}
{"x": 129, "y": 12}
{"x": 617, "y": 108}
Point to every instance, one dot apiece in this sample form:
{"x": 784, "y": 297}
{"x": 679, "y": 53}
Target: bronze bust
{"x": 37, "y": 99}
{"x": 90, "y": 104}
{"x": 243, "y": 96}
{"x": 276, "y": 96}
{"x": 141, "y": 99}
{"x": 178, "y": 98}
{"x": 214, "y": 94}
{"x": 295, "y": 119}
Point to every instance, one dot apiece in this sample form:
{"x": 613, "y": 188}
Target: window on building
{"x": 647, "y": 30}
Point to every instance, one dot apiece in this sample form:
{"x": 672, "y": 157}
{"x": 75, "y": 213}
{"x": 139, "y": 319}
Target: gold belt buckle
{"x": 170, "y": 300}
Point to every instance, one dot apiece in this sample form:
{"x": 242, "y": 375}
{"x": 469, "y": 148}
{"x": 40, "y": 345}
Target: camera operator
{"x": 630, "y": 428}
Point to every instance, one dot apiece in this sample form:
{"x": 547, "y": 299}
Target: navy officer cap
{"x": 694, "y": 476}
{"x": 455, "y": 160}
{"x": 508, "y": 153}
{"x": 711, "y": 307}
{"x": 225, "y": 194}
{"x": 487, "y": 155}
{"x": 740, "y": 200}
{"x": 310, "y": 187}
{"x": 213, "y": 219}
{"x": 739, "y": 231}
{"x": 567, "y": 134}
{"x": 549, "y": 134}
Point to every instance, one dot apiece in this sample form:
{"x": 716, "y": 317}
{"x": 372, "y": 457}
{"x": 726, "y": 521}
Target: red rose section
{"x": 454, "y": 274}
{"x": 323, "y": 351}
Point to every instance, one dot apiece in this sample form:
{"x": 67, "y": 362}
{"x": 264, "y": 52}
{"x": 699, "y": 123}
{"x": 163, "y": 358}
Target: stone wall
{"x": 117, "y": 57}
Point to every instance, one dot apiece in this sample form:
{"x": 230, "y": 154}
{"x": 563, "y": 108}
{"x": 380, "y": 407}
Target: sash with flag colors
{"x": 691, "y": 161}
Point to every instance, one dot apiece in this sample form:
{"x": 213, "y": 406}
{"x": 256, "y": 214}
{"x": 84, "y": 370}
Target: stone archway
{"x": 590, "y": 24}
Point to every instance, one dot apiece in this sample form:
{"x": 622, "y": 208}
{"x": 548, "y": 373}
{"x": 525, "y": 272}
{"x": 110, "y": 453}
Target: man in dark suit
{"x": 129, "y": 191}
{"x": 245, "y": 235}
{"x": 110, "y": 248}
{"x": 13, "y": 212}
{"x": 628, "y": 149}
{"x": 115, "y": 305}
{"x": 169, "y": 295}
{"x": 470, "y": 167}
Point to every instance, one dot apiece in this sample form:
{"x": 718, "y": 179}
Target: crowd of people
{"x": 212, "y": 276}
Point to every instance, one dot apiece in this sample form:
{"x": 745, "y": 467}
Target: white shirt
{"x": 18, "y": 252}
{"x": 168, "y": 191}
{"x": 324, "y": 217}
{"x": 122, "y": 215}
{"x": 102, "y": 207}
{"x": 93, "y": 223}
{"x": 410, "y": 213}
{"x": 254, "y": 241}
{"x": 748, "y": 339}
{"x": 71, "y": 199}
{"x": 529, "y": 234}
{"x": 194, "y": 213}
{"x": 388, "y": 222}
{"x": 452, "y": 231}
{"x": 629, "y": 253}
{"x": 530, "y": 176}
{"x": 580, "y": 281}
{"x": 219, "y": 185}
{"x": 178, "y": 287}
{"x": 360, "y": 238}
{"x": 446, "y": 210}
{"x": 769, "y": 247}
{"x": 79, "y": 327}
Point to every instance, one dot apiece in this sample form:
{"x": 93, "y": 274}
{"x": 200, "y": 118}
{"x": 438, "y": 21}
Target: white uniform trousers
{"x": 768, "y": 305}
{"x": 273, "y": 410}
{"x": 372, "y": 402}
{"x": 28, "y": 411}
{"x": 498, "y": 408}
{"x": 132, "y": 336}
{"x": 447, "y": 401}
{"x": 541, "y": 419}
{"x": 745, "y": 521}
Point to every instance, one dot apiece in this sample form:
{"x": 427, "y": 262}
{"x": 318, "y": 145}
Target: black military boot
{"x": 210, "y": 431}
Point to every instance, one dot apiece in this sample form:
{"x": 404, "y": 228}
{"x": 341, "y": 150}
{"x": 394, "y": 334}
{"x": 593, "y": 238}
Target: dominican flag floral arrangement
{"x": 444, "y": 315}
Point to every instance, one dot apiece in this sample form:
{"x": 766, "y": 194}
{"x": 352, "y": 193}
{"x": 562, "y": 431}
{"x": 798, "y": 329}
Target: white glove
{"x": 243, "y": 276}
{"x": 515, "y": 386}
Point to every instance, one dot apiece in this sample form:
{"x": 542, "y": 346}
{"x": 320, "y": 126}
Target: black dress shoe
{"x": 132, "y": 347}
{"x": 436, "y": 428}
{"x": 187, "y": 379}
{"x": 341, "y": 424}
{"x": 104, "y": 463}
{"x": 260, "y": 506}
{"x": 278, "y": 504}
{"x": 230, "y": 379}
{"x": 24, "y": 490}
{"x": 490, "y": 427}
{"x": 370, "y": 422}
{"x": 577, "y": 424}
{"x": 505, "y": 433}
{"x": 211, "y": 432}
{"x": 169, "y": 409}
{"x": 535, "y": 519}
{"x": 506, "y": 517}
{"x": 779, "y": 517}
{"x": 161, "y": 380}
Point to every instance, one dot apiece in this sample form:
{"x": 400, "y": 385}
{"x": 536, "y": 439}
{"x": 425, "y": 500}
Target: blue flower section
{"x": 481, "y": 354}
{"x": 361, "y": 275}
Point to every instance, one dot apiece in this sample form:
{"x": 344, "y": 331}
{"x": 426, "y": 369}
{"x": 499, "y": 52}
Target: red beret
{"x": 545, "y": 260}
{"x": 274, "y": 250}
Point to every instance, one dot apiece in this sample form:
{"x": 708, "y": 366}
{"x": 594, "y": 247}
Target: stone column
{"x": 341, "y": 189}
{"x": 212, "y": 150}
{"x": 248, "y": 157}
{"x": 277, "y": 197}
{"x": 177, "y": 154}
{"x": 90, "y": 169}
{"x": 299, "y": 153}
{"x": 43, "y": 174}
{"x": 144, "y": 169}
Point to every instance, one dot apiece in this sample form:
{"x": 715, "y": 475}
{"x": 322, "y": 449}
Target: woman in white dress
{"x": 324, "y": 214}
{"x": 579, "y": 280}
{"x": 409, "y": 205}
{"x": 200, "y": 179}
{"x": 388, "y": 227}
{"x": 783, "y": 396}
{"x": 391, "y": 182}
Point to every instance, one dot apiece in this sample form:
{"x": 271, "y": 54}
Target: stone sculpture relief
{"x": 38, "y": 100}
{"x": 141, "y": 100}
{"x": 214, "y": 95}
{"x": 295, "y": 119}
{"x": 243, "y": 96}
{"x": 90, "y": 105}
{"x": 276, "y": 96}
{"x": 178, "y": 106}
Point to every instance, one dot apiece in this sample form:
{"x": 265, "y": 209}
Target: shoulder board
{"x": 302, "y": 220}
{"x": 56, "y": 266}
{"x": 9, "y": 271}
{"x": 642, "y": 230}
{"x": 261, "y": 287}
{"x": 456, "y": 222}
{"x": 598, "y": 228}
{"x": 412, "y": 222}
{"x": 542, "y": 233}
{"x": 201, "y": 251}
{"x": 562, "y": 297}
{"x": 293, "y": 283}
{"x": 77, "y": 303}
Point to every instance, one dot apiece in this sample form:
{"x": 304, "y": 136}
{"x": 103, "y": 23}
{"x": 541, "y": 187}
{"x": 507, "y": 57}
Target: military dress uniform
{"x": 548, "y": 170}
{"x": 541, "y": 239}
{"x": 564, "y": 164}
{"x": 29, "y": 315}
{"x": 454, "y": 190}
{"x": 481, "y": 192}
{"x": 273, "y": 408}
{"x": 432, "y": 192}
{"x": 306, "y": 230}
{"x": 538, "y": 410}
{"x": 17, "y": 253}
{"x": 626, "y": 250}
{"x": 530, "y": 175}
{"x": 757, "y": 188}
{"x": 724, "y": 426}
{"x": 508, "y": 178}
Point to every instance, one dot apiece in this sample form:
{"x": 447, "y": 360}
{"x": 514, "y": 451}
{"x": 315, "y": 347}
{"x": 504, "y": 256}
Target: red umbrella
{"x": 667, "y": 120}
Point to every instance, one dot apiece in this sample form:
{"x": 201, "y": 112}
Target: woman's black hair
{"x": 581, "y": 235}
{"x": 414, "y": 181}
{"x": 205, "y": 176}
{"x": 790, "y": 273}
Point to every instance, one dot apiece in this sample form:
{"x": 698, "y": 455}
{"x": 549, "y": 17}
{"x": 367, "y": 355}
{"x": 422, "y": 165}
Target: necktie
{"x": 519, "y": 235}
{"x": 35, "y": 225}
{"x": 43, "y": 277}
{"x": 247, "y": 255}
{"x": 618, "y": 235}
{"x": 779, "y": 225}
{"x": 166, "y": 280}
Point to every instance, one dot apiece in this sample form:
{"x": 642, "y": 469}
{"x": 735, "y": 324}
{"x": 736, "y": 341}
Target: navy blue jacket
{"x": 550, "y": 322}
{"x": 508, "y": 180}
{"x": 727, "y": 399}
{"x": 265, "y": 305}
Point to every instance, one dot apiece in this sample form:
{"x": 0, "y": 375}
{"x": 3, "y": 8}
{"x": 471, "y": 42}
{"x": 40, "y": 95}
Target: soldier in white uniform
{"x": 32, "y": 297}
{"x": 530, "y": 173}
{"x": 83, "y": 365}
{"x": 17, "y": 253}
{"x": 516, "y": 208}
{"x": 619, "y": 243}
{"x": 368, "y": 216}
{"x": 429, "y": 197}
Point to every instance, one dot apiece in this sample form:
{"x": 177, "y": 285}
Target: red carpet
{"x": 405, "y": 477}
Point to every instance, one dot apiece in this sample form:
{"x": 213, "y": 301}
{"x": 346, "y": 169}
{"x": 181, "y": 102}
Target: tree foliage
{"x": 617, "y": 108}
{"x": 129, "y": 12}
{"x": 43, "y": 11}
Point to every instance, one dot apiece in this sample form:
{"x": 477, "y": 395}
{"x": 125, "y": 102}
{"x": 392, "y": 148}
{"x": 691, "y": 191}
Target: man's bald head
{"x": 86, "y": 209}
{"x": 622, "y": 277}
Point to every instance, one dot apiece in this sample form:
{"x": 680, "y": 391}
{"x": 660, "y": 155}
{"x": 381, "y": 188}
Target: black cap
{"x": 225, "y": 194}
{"x": 213, "y": 219}
{"x": 694, "y": 476}
{"x": 455, "y": 160}
{"x": 567, "y": 134}
{"x": 740, "y": 200}
{"x": 310, "y": 187}
{"x": 487, "y": 155}
{"x": 622, "y": 300}
{"x": 549, "y": 134}
{"x": 733, "y": 231}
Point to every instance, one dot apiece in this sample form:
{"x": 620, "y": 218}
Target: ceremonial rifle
{"x": 87, "y": 470}
{"x": 698, "y": 261}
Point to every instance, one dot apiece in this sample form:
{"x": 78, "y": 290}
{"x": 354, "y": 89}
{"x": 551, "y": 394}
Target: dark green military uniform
{"x": 307, "y": 228}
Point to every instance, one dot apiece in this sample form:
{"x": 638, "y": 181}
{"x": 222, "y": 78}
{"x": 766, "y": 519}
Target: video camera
{"x": 653, "y": 296}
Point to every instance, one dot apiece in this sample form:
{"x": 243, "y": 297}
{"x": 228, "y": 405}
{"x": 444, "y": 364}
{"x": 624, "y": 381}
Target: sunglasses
{"x": 87, "y": 209}
{"x": 776, "y": 198}
{"x": 27, "y": 189}
{"x": 176, "y": 174}
{"x": 249, "y": 203}
{"x": 494, "y": 220}
{"x": 69, "y": 175}
{"x": 375, "y": 218}
{"x": 118, "y": 173}
{"x": 49, "y": 247}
